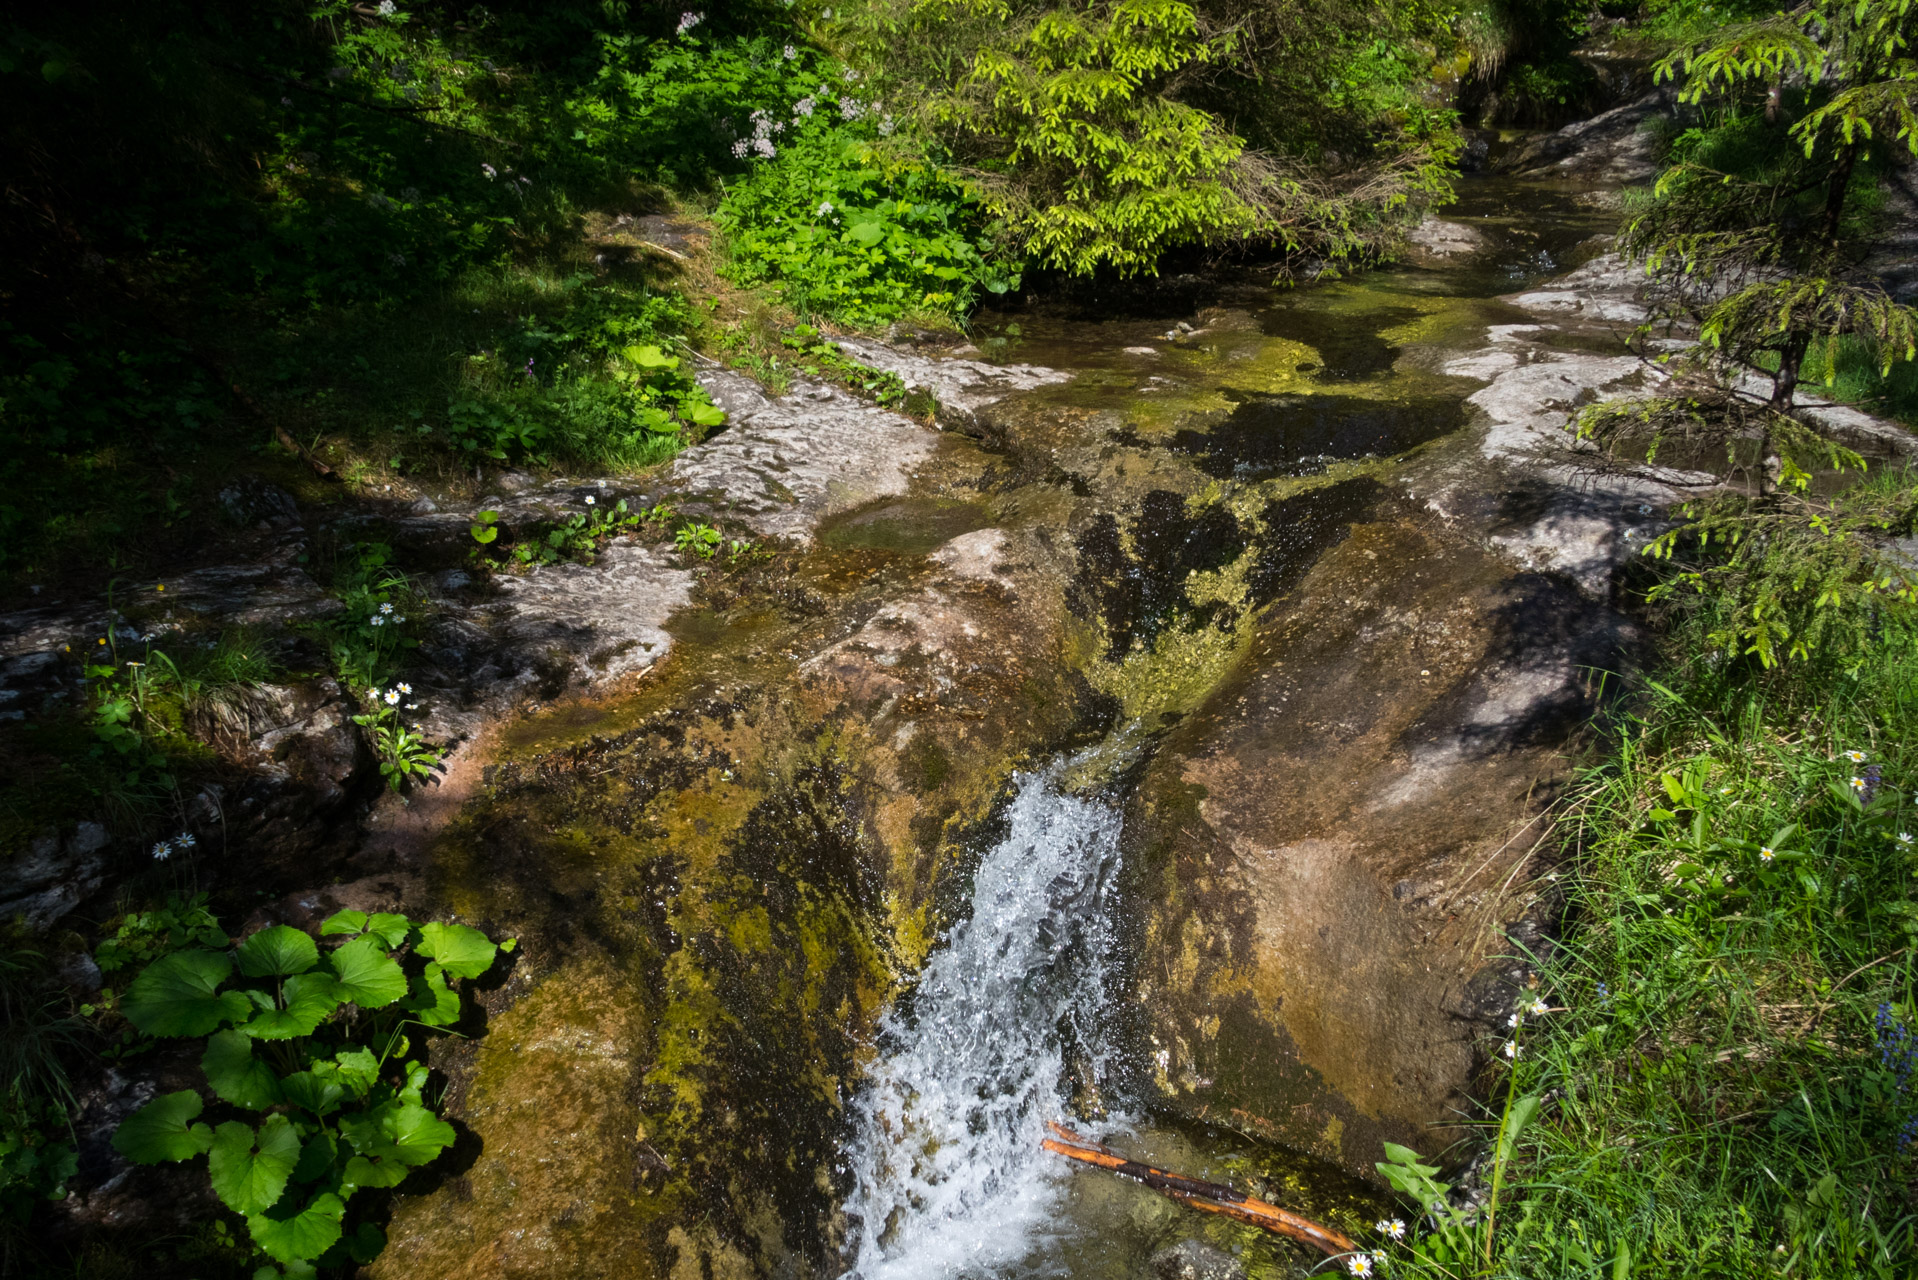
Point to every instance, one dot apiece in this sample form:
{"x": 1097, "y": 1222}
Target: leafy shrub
{"x": 676, "y": 110}
{"x": 311, "y": 1041}
{"x": 848, "y": 232}
{"x": 592, "y": 383}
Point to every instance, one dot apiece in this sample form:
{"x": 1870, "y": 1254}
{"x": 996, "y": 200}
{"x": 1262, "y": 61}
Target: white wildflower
{"x": 489, "y": 171}
{"x": 825, "y": 207}
{"x": 161, "y": 851}
{"x": 1536, "y": 1007}
{"x": 392, "y": 697}
{"x": 386, "y": 8}
{"x": 1359, "y": 1264}
{"x": 591, "y": 501}
{"x": 386, "y": 608}
{"x": 185, "y": 841}
{"x": 1856, "y": 757}
{"x": 404, "y": 687}
{"x": 689, "y": 20}
{"x": 790, "y": 53}
{"x": 1512, "y": 1050}
{"x": 1393, "y": 1227}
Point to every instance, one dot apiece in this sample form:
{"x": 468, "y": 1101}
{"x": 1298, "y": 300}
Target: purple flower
{"x": 529, "y": 366}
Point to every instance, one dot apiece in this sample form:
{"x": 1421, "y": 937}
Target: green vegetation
{"x": 314, "y": 1043}
{"x": 1724, "y": 1071}
{"x": 1749, "y": 233}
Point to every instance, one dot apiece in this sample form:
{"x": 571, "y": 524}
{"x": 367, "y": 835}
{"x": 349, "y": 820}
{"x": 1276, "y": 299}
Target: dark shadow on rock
{"x": 1291, "y": 435}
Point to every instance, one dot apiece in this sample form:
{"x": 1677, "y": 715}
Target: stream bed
{"x": 1167, "y": 757}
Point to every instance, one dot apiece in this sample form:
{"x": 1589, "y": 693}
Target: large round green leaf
{"x": 278, "y": 952}
{"x": 368, "y": 976}
{"x": 461, "y": 951}
{"x": 163, "y": 1130}
{"x": 317, "y": 1157}
{"x": 309, "y": 997}
{"x": 432, "y": 1001}
{"x": 348, "y": 922}
{"x": 236, "y": 1074}
{"x": 250, "y": 1169}
{"x": 296, "y": 1233}
{"x": 176, "y": 995}
{"x": 313, "y": 1092}
{"x": 390, "y": 1138}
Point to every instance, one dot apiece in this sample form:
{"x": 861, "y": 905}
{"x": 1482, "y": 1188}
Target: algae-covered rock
{"x": 1330, "y": 849}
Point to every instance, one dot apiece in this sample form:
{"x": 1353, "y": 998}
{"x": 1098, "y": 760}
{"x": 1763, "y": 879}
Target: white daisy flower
{"x": 1393, "y": 1227}
{"x": 1359, "y": 1264}
{"x": 1856, "y": 757}
{"x": 1536, "y": 1007}
{"x": 392, "y": 697}
{"x": 386, "y": 608}
{"x": 592, "y": 501}
{"x": 1512, "y": 1050}
{"x": 1767, "y": 854}
{"x": 185, "y": 841}
{"x": 404, "y": 687}
{"x": 161, "y": 851}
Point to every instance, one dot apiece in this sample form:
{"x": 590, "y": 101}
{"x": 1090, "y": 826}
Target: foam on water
{"x": 951, "y": 1179}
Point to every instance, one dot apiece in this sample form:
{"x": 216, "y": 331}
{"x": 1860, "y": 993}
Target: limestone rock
{"x": 1195, "y": 1260}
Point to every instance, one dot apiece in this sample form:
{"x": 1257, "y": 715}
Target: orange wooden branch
{"x": 1208, "y": 1197}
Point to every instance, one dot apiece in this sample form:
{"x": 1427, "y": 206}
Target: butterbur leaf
{"x": 312, "y": 1092}
{"x": 348, "y": 922}
{"x": 175, "y": 995}
{"x": 432, "y": 1001}
{"x": 365, "y": 1243}
{"x": 461, "y": 951}
{"x": 367, "y": 975}
{"x": 704, "y": 415}
{"x": 310, "y": 997}
{"x": 277, "y": 952}
{"x": 164, "y": 1130}
{"x": 293, "y": 1233}
{"x": 378, "y": 1170}
{"x": 316, "y": 1157}
{"x": 357, "y": 1070}
{"x": 405, "y": 1132}
{"x": 389, "y": 927}
{"x": 250, "y": 1169}
{"x": 236, "y": 1075}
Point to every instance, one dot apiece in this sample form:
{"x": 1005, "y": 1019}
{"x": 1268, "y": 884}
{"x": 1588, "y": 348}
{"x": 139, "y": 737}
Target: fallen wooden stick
{"x": 1207, "y": 1197}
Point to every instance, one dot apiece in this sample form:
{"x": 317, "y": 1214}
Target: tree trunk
{"x": 1837, "y": 187}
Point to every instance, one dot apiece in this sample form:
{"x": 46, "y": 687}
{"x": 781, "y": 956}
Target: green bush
{"x": 312, "y": 1043}
{"x": 849, "y": 232}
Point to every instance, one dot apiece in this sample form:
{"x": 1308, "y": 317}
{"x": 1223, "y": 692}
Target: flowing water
{"x": 1009, "y": 1024}
{"x": 952, "y": 1180}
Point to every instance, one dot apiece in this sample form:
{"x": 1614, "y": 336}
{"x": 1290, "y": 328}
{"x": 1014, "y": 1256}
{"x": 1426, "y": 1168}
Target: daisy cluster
{"x": 182, "y": 843}
{"x": 393, "y": 696}
{"x": 386, "y": 617}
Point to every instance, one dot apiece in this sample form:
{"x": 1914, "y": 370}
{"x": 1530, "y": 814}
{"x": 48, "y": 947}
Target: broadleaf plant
{"x": 320, "y": 1090}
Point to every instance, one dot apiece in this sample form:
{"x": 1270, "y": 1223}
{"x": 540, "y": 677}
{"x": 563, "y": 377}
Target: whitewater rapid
{"x": 951, "y": 1181}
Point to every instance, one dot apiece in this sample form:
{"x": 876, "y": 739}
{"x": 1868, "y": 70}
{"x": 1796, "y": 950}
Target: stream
{"x": 1150, "y": 754}
{"x": 1007, "y": 1026}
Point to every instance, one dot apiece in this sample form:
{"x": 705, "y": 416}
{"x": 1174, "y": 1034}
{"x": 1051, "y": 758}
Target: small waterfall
{"x": 951, "y": 1180}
